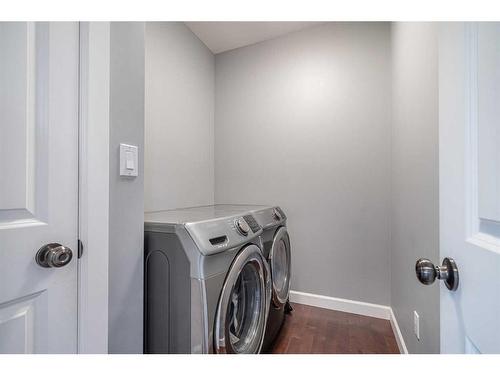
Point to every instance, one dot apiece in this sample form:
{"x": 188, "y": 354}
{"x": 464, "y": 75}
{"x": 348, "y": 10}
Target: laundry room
{"x": 294, "y": 116}
{"x": 249, "y": 185}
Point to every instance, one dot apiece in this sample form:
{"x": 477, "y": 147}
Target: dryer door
{"x": 280, "y": 263}
{"x": 243, "y": 306}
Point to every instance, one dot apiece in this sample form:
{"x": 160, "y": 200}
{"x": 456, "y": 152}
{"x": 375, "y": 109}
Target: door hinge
{"x": 80, "y": 248}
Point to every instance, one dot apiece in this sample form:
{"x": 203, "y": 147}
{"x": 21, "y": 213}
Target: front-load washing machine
{"x": 276, "y": 246}
{"x": 207, "y": 283}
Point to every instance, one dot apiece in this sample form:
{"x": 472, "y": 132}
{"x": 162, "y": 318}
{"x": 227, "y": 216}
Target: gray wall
{"x": 415, "y": 180}
{"x": 179, "y": 133}
{"x": 126, "y": 208}
{"x": 303, "y": 121}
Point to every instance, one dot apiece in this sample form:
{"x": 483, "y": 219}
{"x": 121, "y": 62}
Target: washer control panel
{"x": 216, "y": 235}
{"x": 252, "y": 223}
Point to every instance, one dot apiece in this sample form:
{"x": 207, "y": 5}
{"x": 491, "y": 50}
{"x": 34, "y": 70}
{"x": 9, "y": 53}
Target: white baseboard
{"x": 340, "y": 304}
{"x": 397, "y": 333}
{"x": 353, "y": 307}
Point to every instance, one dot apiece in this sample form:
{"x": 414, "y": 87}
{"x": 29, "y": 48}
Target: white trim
{"x": 473, "y": 217}
{"x": 397, "y": 334}
{"x": 340, "y": 304}
{"x": 353, "y": 307}
{"x": 94, "y": 187}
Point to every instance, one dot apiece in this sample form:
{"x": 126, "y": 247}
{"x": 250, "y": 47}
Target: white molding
{"x": 353, "y": 307}
{"x": 340, "y": 304}
{"x": 94, "y": 187}
{"x": 471, "y": 130}
{"x": 472, "y": 157}
{"x": 397, "y": 334}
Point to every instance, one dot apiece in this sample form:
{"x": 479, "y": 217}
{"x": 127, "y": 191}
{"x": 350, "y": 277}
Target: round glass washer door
{"x": 242, "y": 311}
{"x": 280, "y": 263}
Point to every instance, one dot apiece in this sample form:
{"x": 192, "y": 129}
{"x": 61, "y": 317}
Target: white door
{"x": 469, "y": 167}
{"x": 38, "y": 186}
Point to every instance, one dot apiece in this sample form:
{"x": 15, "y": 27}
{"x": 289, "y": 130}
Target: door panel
{"x": 469, "y": 131}
{"x": 38, "y": 184}
{"x": 17, "y": 111}
{"x": 486, "y": 37}
{"x": 21, "y": 327}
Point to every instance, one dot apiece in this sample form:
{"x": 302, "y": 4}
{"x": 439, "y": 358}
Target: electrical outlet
{"x": 416, "y": 324}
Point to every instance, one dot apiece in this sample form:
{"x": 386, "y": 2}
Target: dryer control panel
{"x": 269, "y": 217}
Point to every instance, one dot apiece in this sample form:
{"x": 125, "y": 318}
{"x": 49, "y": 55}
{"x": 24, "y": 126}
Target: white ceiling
{"x": 223, "y": 36}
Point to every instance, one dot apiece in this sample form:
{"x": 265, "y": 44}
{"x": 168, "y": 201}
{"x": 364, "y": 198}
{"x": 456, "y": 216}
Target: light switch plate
{"x": 129, "y": 160}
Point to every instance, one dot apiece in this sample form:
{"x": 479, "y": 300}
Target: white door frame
{"x": 94, "y": 187}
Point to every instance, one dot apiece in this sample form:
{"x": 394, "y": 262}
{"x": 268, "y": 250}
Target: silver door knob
{"x": 427, "y": 272}
{"x": 53, "y": 255}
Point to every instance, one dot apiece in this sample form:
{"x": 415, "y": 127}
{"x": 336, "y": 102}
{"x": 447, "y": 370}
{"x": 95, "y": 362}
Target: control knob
{"x": 242, "y": 226}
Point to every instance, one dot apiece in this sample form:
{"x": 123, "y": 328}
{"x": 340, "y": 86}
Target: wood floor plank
{"x": 313, "y": 330}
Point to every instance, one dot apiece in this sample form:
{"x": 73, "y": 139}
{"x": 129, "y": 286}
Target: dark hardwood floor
{"x": 311, "y": 330}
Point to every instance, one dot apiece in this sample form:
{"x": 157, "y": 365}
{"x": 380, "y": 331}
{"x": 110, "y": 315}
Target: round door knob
{"x": 427, "y": 272}
{"x": 53, "y": 255}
